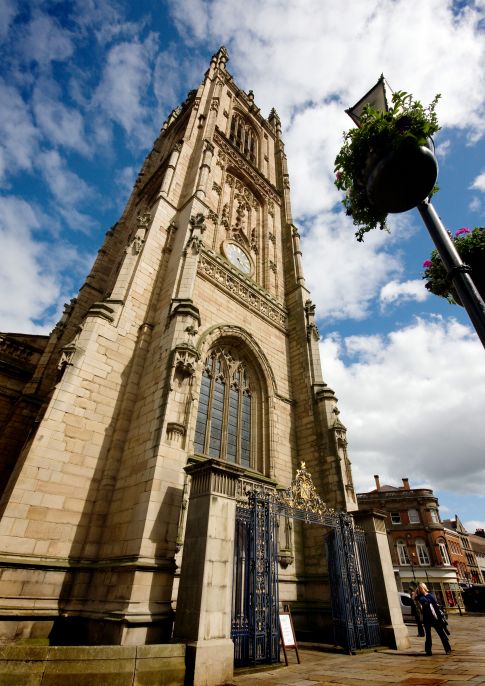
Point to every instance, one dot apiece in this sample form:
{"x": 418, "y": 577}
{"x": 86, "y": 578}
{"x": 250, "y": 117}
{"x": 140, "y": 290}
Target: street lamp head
{"x": 375, "y": 97}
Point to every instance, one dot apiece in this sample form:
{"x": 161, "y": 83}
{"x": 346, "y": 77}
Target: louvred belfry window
{"x": 223, "y": 425}
{"x": 243, "y": 136}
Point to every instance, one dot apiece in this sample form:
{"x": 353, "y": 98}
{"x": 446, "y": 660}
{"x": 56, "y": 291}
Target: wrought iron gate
{"x": 353, "y": 604}
{"x": 255, "y": 629}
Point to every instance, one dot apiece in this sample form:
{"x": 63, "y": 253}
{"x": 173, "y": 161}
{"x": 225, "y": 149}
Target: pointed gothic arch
{"x": 235, "y": 389}
{"x": 244, "y": 136}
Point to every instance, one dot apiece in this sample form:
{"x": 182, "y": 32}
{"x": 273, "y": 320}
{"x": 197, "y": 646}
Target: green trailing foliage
{"x": 470, "y": 245}
{"x": 407, "y": 122}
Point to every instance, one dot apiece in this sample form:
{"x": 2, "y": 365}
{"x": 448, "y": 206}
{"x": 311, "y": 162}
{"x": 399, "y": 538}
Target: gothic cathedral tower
{"x": 192, "y": 339}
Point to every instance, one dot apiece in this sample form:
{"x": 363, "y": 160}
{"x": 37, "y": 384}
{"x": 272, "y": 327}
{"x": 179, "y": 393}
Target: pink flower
{"x": 427, "y": 263}
{"x": 462, "y": 231}
{"x": 338, "y": 175}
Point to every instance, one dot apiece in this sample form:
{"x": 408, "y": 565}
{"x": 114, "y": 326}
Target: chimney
{"x": 405, "y": 483}
{"x": 378, "y": 483}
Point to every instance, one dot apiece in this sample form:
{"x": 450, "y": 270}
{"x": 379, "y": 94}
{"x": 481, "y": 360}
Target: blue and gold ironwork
{"x": 302, "y": 495}
{"x": 255, "y": 629}
{"x": 353, "y": 605}
{"x": 255, "y": 585}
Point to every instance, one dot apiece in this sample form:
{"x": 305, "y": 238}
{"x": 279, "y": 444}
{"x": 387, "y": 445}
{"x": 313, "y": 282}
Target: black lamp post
{"x": 397, "y": 189}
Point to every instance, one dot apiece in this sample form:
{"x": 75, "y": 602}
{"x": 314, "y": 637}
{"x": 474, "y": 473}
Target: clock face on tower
{"x": 238, "y": 257}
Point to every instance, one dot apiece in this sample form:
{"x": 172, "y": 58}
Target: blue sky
{"x": 84, "y": 89}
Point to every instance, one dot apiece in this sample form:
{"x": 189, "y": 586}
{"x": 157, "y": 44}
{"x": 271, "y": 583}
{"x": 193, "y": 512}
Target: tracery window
{"x": 224, "y": 417}
{"x": 244, "y": 137}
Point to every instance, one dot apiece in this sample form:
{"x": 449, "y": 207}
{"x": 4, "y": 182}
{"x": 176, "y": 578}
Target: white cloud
{"x": 479, "y": 183}
{"x": 473, "y": 524}
{"x": 402, "y": 291}
{"x": 166, "y": 78}
{"x": 126, "y": 78}
{"x": 32, "y": 284}
{"x": 345, "y": 276}
{"x": 61, "y": 125}
{"x": 8, "y": 10}
{"x": 105, "y": 18}
{"x": 475, "y": 205}
{"x": 311, "y": 146}
{"x": 45, "y": 41}
{"x": 18, "y": 136}
{"x": 66, "y": 186}
{"x": 320, "y": 49}
{"x": 68, "y": 189}
{"x": 413, "y": 404}
{"x": 443, "y": 149}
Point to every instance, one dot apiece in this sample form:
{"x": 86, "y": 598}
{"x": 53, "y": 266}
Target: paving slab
{"x": 325, "y": 666}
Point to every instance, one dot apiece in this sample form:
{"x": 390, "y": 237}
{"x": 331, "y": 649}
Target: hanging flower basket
{"x": 387, "y": 164}
{"x": 470, "y": 245}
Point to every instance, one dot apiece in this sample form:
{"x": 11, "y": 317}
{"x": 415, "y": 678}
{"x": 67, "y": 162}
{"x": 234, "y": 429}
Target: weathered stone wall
{"x": 156, "y": 665}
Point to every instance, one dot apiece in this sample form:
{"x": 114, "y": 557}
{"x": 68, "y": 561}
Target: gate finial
{"x": 302, "y": 495}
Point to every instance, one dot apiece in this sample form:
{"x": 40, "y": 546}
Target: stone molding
{"x": 245, "y": 291}
{"x": 214, "y": 477}
{"x": 65, "y": 564}
{"x": 263, "y": 186}
{"x": 16, "y": 350}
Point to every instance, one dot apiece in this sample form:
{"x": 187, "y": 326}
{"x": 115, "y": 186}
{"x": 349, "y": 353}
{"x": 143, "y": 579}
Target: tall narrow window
{"x": 413, "y": 516}
{"x": 443, "y": 551}
{"x": 243, "y": 136}
{"x": 395, "y": 517}
{"x": 224, "y": 418}
{"x": 402, "y": 551}
{"x": 422, "y": 551}
{"x": 434, "y": 515}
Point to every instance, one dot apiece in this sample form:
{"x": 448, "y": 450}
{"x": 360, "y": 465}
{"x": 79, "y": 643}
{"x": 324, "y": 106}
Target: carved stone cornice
{"x": 233, "y": 155}
{"x": 241, "y": 288}
{"x": 18, "y": 350}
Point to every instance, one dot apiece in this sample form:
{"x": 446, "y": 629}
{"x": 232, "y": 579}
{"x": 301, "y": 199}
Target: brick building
{"x": 477, "y": 541}
{"x": 418, "y": 542}
{"x": 464, "y": 556}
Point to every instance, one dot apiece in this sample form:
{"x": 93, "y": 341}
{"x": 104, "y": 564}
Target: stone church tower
{"x": 192, "y": 341}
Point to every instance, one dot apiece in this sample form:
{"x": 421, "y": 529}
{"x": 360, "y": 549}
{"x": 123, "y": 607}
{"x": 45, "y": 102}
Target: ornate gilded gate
{"x": 255, "y": 629}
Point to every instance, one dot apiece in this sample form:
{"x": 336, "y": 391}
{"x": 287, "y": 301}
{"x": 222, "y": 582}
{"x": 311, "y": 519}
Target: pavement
{"x": 381, "y": 667}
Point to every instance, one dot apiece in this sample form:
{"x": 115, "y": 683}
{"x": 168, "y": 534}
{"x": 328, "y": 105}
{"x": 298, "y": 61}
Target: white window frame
{"x": 435, "y": 518}
{"x": 398, "y": 515}
{"x": 414, "y": 517}
{"x": 402, "y": 553}
{"x": 444, "y": 552}
{"x": 422, "y": 553}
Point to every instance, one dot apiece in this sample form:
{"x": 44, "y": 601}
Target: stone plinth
{"x": 203, "y": 615}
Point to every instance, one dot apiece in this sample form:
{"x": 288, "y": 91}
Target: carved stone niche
{"x": 185, "y": 358}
